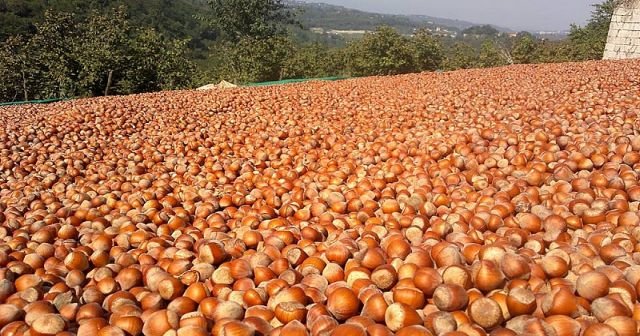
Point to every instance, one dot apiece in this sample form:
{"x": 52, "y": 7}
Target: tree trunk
{"x": 106, "y": 89}
{"x": 24, "y": 87}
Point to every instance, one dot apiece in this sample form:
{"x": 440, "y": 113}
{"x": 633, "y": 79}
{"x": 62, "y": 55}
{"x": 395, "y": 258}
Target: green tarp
{"x": 289, "y": 81}
{"x": 41, "y": 101}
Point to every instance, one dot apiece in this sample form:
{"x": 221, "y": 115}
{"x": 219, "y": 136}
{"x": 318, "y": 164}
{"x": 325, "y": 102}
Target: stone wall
{"x": 624, "y": 33}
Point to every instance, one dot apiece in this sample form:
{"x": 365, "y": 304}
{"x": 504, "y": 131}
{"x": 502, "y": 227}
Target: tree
{"x": 381, "y": 52}
{"x": 13, "y": 70}
{"x": 175, "y": 70}
{"x": 51, "y": 56}
{"x": 552, "y": 51}
{"x": 253, "y": 60}
{"x": 337, "y": 62}
{"x": 484, "y": 30}
{"x": 101, "y": 51}
{"x": 490, "y": 55}
{"x": 17, "y": 17}
{"x": 254, "y": 44}
{"x": 460, "y": 56}
{"x": 428, "y": 54}
{"x": 310, "y": 61}
{"x": 171, "y": 18}
{"x": 524, "y": 49}
{"x": 256, "y": 19}
{"x": 588, "y": 42}
{"x": 67, "y": 57}
{"x": 157, "y": 63}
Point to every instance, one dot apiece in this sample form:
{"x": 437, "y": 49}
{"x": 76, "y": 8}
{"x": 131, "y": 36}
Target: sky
{"x": 514, "y": 14}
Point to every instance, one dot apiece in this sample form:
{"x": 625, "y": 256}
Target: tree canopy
{"x": 257, "y": 19}
{"x": 381, "y": 52}
{"x": 428, "y": 52}
{"x": 486, "y": 30}
{"x": 71, "y": 57}
{"x": 588, "y": 42}
{"x": 524, "y": 49}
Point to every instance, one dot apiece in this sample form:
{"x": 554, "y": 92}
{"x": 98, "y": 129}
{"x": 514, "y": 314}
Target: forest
{"x": 75, "y": 48}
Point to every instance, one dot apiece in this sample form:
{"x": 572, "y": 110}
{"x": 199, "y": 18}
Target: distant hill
{"x": 177, "y": 18}
{"x": 332, "y": 17}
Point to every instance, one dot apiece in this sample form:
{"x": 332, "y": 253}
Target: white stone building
{"x": 624, "y": 33}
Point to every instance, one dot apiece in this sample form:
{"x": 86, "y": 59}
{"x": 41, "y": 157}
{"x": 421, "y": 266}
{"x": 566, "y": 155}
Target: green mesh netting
{"x": 289, "y": 81}
{"x": 41, "y": 101}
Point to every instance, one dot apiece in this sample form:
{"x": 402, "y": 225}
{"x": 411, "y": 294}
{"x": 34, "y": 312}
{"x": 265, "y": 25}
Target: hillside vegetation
{"x": 176, "y": 17}
{"x": 173, "y": 18}
{"x": 73, "y": 48}
{"x": 341, "y": 18}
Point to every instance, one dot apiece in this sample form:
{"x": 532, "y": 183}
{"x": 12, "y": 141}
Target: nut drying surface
{"x": 501, "y": 201}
